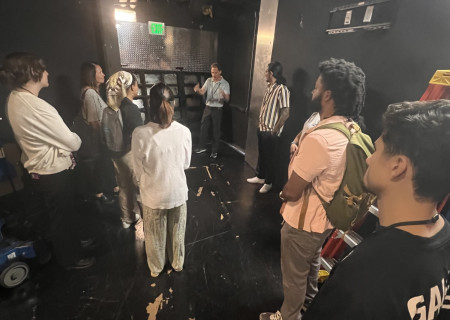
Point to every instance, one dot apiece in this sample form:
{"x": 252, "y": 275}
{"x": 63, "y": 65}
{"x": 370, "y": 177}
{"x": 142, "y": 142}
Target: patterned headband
{"x": 118, "y": 82}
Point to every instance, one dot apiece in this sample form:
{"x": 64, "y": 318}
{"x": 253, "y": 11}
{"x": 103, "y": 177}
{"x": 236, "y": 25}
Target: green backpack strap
{"x": 339, "y": 126}
{"x": 357, "y": 137}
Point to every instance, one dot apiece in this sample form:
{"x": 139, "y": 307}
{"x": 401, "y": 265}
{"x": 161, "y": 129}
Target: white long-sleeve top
{"x": 160, "y": 157}
{"x": 44, "y": 138}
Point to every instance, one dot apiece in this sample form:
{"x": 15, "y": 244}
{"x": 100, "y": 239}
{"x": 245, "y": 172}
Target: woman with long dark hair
{"x": 47, "y": 145}
{"x": 161, "y": 152}
{"x": 92, "y": 152}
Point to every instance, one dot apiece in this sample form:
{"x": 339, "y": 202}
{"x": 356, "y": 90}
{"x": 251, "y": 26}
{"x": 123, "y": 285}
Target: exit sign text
{"x": 156, "y": 28}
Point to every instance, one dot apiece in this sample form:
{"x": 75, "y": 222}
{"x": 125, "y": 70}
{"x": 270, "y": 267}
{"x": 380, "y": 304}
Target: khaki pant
{"x": 164, "y": 231}
{"x": 300, "y": 264}
{"x": 123, "y": 168}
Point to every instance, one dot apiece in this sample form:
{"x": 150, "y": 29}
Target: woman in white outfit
{"x": 161, "y": 152}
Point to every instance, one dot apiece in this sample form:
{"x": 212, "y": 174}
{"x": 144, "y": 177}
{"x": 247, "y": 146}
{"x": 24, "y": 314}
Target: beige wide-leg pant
{"x": 164, "y": 231}
{"x": 123, "y": 168}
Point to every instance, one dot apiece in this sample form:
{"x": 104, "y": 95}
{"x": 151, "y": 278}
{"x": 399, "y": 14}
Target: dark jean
{"x": 211, "y": 115}
{"x": 57, "y": 193}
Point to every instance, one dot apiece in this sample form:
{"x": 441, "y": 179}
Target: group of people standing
{"x": 382, "y": 278}
{"x": 150, "y": 158}
{"x": 400, "y": 272}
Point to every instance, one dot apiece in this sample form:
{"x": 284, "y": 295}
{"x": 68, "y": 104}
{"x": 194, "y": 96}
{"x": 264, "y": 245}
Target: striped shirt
{"x": 275, "y": 99}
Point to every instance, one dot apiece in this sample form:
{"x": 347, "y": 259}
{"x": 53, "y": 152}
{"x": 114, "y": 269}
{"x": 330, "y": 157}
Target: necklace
{"x": 27, "y": 90}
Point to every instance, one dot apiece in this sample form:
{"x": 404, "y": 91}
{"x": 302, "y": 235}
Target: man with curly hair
{"x": 315, "y": 172}
{"x": 401, "y": 271}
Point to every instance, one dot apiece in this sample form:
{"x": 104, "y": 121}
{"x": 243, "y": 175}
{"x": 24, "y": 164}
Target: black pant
{"x": 95, "y": 174}
{"x": 211, "y": 115}
{"x": 267, "y": 155}
{"x": 57, "y": 192}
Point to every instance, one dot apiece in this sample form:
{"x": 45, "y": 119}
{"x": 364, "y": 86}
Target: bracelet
{"x": 293, "y": 143}
{"x": 281, "y": 196}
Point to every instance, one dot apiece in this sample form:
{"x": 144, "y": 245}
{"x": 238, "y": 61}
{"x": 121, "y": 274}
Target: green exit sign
{"x": 156, "y": 28}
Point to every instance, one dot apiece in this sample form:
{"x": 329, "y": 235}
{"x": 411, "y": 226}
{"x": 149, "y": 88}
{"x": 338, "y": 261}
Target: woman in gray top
{"x": 97, "y": 166}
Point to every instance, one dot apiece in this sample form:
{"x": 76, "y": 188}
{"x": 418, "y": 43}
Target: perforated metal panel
{"x": 193, "y": 50}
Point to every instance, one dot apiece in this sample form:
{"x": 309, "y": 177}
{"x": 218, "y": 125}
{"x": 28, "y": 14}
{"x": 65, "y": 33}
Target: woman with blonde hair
{"x": 119, "y": 120}
{"x": 161, "y": 152}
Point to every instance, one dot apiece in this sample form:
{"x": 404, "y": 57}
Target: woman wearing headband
{"x": 118, "y": 123}
{"x": 161, "y": 152}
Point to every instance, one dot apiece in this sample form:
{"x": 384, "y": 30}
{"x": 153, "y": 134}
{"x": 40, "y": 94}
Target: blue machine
{"x": 12, "y": 255}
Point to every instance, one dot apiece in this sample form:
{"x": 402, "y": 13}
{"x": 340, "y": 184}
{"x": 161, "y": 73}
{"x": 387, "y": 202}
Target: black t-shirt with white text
{"x": 392, "y": 274}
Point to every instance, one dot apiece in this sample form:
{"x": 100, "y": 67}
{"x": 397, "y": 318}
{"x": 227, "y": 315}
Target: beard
{"x": 316, "y": 104}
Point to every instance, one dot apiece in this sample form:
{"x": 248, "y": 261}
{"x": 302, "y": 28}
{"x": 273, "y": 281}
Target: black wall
{"x": 235, "y": 23}
{"x": 398, "y": 62}
{"x": 236, "y": 44}
{"x": 63, "y": 33}
{"x": 67, "y": 33}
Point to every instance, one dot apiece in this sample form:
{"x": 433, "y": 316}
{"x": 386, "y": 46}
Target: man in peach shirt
{"x": 316, "y": 169}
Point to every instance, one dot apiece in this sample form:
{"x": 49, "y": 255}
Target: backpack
{"x": 351, "y": 201}
{"x": 113, "y": 130}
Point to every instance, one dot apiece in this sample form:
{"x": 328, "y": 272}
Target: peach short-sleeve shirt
{"x": 320, "y": 159}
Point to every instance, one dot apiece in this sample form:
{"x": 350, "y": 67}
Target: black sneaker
{"x": 213, "y": 155}
{"x": 200, "y": 150}
{"x": 105, "y": 200}
{"x": 305, "y": 305}
{"x": 82, "y": 264}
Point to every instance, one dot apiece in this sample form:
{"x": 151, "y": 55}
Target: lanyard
{"x": 414, "y": 223}
{"x": 213, "y": 92}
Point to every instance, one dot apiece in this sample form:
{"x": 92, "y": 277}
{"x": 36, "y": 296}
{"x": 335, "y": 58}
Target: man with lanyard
{"x": 274, "y": 113}
{"x": 217, "y": 91}
{"x": 401, "y": 271}
{"x": 315, "y": 172}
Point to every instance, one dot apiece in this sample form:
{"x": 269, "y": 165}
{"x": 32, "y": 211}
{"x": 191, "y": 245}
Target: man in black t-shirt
{"x": 401, "y": 271}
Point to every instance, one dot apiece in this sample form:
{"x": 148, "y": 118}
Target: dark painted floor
{"x": 231, "y": 271}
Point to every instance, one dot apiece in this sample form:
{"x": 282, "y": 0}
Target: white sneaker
{"x": 265, "y": 188}
{"x": 126, "y": 225}
{"x": 154, "y": 274}
{"x": 255, "y": 180}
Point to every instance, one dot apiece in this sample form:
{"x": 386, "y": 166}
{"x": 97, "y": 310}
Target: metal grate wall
{"x": 193, "y": 50}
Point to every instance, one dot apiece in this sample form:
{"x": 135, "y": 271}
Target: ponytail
{"x": 160, "y": 110}
{"x": 165, "y": 114}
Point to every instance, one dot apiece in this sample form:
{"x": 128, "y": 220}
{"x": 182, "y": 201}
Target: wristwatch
{"x": 281, "y": 196}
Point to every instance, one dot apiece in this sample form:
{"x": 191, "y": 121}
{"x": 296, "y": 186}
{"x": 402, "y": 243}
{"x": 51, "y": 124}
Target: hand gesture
{"x": 197, "y": 87}
{"x": 294, "y": 148}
